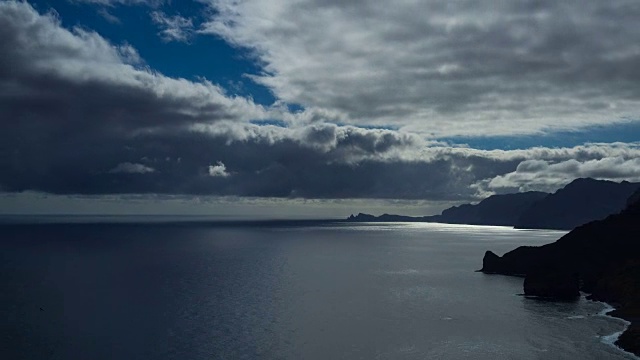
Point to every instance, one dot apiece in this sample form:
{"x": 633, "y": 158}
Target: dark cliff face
{"x": 589, "y": 249}
{"x": 517, "y": 262}
{"x": 602, "y": 256}
{"x": 578, "y": 203}
{"x": 560, "y": 285}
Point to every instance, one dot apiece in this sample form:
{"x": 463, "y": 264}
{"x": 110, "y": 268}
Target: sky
{"x": 311, "y": 108}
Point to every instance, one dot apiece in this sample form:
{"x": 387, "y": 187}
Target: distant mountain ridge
{"x": 386, "y": 218}
{"x": 500, "y": 210}
{"x": 581, "y": 201}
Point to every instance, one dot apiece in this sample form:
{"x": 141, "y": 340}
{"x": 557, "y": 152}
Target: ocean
{"x": 161, "y": 289}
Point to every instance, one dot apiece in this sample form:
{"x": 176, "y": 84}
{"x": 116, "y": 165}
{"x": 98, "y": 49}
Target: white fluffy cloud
{"x": 548, "y": 176}
{"x": 218, "y": 170}
{"x": 36, "y": 48}
{"x": 446, "y": 67}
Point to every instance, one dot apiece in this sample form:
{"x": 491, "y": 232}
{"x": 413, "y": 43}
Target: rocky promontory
{"x": 601, "y": 258}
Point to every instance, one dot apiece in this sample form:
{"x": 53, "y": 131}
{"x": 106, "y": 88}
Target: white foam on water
{"x": 612, "y": 338}
{"x": 607, "y": 309}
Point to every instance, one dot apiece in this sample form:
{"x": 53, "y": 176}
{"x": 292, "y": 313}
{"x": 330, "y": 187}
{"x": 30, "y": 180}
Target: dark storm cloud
{"x": 182, "y": 163}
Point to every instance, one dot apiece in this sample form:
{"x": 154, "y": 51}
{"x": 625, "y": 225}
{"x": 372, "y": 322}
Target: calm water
{"x": 280, "y": 291}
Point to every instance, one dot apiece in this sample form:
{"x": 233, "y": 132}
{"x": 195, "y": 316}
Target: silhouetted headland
{"x": 601, "y": 258}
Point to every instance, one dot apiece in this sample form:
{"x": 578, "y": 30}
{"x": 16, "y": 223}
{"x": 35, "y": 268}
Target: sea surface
{"x": 279, "y": 290}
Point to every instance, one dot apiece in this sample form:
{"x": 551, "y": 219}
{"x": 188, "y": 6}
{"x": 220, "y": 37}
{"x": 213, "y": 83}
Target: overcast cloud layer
{"x": 80, "y": 115}
{"x": 446, "y": 67}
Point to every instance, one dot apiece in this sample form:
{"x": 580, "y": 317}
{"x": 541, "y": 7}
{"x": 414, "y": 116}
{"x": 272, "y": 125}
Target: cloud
{"x": 81, "y": 115}
{"x": 549, "y": 176}
{"x": 152, "y": 3}
{"x": 218, "y": 170}
{"x": 173, "y": 28}
{"x": 445, "y": 68}
{"x": 109, "y": 16}
{"x": 130, "y": 168}
{"x": 51, "y": 69}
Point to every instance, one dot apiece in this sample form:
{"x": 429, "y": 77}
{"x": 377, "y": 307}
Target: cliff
{"x": 601, "y": 258}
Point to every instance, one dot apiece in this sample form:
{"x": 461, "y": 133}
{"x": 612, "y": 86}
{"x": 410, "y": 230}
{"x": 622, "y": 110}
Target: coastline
{"x": 599, "y": 258}
{"x": 612, "y": 339}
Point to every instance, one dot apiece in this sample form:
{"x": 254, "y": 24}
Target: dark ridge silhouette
{"x": 601, "y": 258}
{"x": 579, "y": 202}
{"x": 384, "y": 218}
{"x": 501, "y": 210}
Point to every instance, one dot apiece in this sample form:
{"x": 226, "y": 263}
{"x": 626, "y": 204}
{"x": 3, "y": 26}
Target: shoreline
{"x": 612, "y": 339}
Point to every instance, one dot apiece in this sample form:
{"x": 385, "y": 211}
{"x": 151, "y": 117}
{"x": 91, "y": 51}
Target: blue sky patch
{"x": 203, "y": 56}
{"x": 625, "y": 132}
